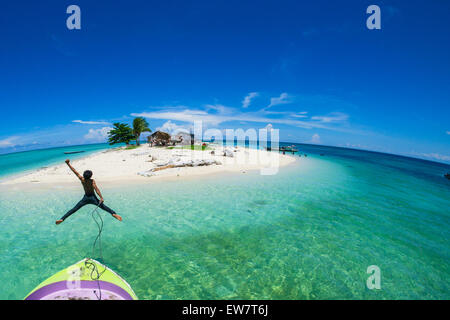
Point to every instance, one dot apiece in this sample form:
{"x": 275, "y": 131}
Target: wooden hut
{"x": 159, "y": 138}
{"x": 181, "y": 138}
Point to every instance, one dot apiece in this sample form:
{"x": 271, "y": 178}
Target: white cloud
{"x": 331, "y": 117}
{"x": 248, "y": 99}
{"x": 284, "y": 98}
{"x": 433, "y": 156}
{"x": 91, "y": 122}
{"x": 172, "y": 128}
{"x": 98, "y": 135}
{"x": 448, "y": 132}
{"x": 302, "y": 114}
{"x": 358, "y": 146}
{"x": 315, "y": 139}
{"x": 217, "y": 114}
{"x": 219, "y": 109}
{"x": 8, "y": 142}
{"x": 310, "y": 31}
{"x": 269, "y": 127}
{"x": 186, "y": 115}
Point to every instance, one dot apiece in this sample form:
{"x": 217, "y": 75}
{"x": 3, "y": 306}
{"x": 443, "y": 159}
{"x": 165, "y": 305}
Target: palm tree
{"x": 121, "y": 133}
{"x": 140, "y": 125}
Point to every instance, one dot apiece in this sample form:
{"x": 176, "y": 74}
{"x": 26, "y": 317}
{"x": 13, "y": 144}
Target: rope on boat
{"x": 95, "y": 273}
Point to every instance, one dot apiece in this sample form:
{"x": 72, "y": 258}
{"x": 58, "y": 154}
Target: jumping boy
{"x": 89, "y": 186}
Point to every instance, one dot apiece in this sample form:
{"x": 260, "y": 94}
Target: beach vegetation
{"x": 192, "y": 147}
{"x": 140, "y": 125}
{"x": 121, "y": 133}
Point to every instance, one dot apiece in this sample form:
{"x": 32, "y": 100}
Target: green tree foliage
{"x": 140, "y": 125}
{"x": 121, "y": 133}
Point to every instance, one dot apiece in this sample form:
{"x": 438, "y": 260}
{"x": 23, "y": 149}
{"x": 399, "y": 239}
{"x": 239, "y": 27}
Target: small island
{"x": 162, "y": 157}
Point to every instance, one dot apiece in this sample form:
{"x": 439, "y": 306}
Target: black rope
{"x": 95, "y": 273}
{"x": 100, "y": 230}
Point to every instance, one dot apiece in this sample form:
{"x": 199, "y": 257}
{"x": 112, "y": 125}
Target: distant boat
{"x": 288, "y": 149}
{"x": 72, "y": 152}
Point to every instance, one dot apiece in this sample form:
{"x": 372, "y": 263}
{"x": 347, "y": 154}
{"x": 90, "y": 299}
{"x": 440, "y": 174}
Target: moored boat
{"x": 87, "y": 279}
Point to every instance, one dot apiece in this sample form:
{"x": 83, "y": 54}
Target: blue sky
{"x": 309, "y": 68}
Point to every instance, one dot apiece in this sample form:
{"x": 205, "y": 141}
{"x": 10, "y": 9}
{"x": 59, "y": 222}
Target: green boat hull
{"x": 87, "y": 279}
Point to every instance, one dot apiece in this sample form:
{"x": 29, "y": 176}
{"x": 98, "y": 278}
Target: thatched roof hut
{"x": 181, "y": 138}
{"x": 159, "y": 138}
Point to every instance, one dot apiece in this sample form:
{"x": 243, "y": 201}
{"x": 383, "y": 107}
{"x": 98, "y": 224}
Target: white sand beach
{"x": 146, "y": 164}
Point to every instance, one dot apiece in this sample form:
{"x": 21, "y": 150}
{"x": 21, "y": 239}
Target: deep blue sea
{"x": 308, "y": 232}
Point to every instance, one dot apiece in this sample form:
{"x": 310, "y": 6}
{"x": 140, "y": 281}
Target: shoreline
{"x": 17, "y": 175}
{"x": 121, "y": 166}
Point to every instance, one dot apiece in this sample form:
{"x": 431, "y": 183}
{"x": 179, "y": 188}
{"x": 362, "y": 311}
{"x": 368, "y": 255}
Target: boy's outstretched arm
{"x": 97, "y": 190}
{"x": 73, "y": 169}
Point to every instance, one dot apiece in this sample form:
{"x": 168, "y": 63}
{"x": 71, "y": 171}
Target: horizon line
{"x": 286, "y": 142}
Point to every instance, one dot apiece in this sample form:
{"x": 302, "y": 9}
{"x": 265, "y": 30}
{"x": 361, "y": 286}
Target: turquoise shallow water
{"x": 309, "y": 232}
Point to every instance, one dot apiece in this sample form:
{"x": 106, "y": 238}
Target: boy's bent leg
{"x": 111, "y": 211}
{"x": 77, "y": 207}
{"x": 107, "y": 209}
